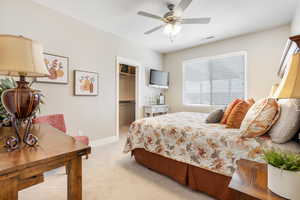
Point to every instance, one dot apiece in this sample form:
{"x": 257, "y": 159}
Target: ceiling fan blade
{"x": 183, "y": 5}
{"x": 145, "y": 14}
{"x": 205, "y": 20}
{"x": 154, "y": 29}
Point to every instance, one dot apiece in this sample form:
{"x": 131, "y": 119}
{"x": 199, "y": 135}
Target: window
{"x": 214, "y": 81}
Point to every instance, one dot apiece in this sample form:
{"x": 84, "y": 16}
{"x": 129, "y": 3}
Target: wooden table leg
{"x": 75, "y": 179}
{"x": 9, "y": 189}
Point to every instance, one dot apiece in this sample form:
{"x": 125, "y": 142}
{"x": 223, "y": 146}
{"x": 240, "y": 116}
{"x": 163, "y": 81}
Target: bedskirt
{"x": 213, "y": 184}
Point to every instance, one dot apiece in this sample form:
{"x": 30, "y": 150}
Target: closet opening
{"x": 127, "y": 95}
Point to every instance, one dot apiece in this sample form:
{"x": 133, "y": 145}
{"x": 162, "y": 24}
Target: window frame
{"x": 195, "y": 60}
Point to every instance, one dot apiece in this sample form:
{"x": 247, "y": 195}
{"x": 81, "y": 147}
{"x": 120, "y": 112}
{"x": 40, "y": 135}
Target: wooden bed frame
{"x": 213, "y": 184}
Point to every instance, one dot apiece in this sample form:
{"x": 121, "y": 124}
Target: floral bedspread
{"x": 185, "y": 137}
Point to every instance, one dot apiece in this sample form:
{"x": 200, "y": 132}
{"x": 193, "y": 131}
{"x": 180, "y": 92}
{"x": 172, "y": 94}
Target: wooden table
{"x": 25, "y": 167}
{"x": 250, "y": 182}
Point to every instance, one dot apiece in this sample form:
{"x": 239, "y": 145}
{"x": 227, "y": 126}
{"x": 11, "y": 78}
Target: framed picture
{"x": 290, "y": 49}
{"x": 58, "y": 67}
{"x": 86, "y": 83}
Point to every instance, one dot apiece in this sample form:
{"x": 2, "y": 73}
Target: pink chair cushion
{"x": 58, "y": 122}
{"x": 82, "y": 139}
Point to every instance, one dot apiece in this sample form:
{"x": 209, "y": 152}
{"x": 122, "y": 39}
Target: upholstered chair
{"x": 58, "y": 122}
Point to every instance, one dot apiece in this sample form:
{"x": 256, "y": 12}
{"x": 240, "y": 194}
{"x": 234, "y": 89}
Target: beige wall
{"x": 88, "y": 49}
{"x": 264, "y": 50}
{"x": 295, "y": 29}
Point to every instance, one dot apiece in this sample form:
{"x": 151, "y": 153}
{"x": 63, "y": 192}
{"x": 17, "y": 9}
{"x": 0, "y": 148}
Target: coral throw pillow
{"x": 250, "y": 101}
{"x": 229, "y": 109}
{"x": 237, "y": 115}
{"x": 260, "y": 118}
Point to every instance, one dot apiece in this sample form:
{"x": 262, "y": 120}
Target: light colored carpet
{"x": 111, "y": 175}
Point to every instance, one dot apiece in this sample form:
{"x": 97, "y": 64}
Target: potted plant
{"x": 283, "y": 173}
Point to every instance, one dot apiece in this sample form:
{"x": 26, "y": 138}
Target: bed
{"x": 185, "y": 148}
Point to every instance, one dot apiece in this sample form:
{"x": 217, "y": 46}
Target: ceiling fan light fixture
{"x": 172, "y": 20}
{"x": 172, "y": 29}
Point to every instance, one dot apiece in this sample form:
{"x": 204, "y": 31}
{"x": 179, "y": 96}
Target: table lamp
{"x": 289, "y": 87}
{"x": 22, "y": 57}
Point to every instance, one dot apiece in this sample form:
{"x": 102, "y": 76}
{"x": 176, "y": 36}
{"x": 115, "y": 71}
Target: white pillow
{"x": 288, "y": 123}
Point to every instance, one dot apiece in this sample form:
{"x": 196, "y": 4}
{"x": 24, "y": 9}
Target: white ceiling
{"x": 229, "y": 18}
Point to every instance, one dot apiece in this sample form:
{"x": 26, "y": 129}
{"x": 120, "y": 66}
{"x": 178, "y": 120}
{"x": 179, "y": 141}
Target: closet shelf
{"x": 127, "y": 74}
{"x": 122, "y": 100}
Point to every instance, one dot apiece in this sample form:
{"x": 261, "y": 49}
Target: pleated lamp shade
{"x": 273, "y": 89}
{"x": 289, "y": 88}
{"x": 21, "y": 56}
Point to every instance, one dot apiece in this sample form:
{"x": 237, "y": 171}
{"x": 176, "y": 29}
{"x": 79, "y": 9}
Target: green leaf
{"x": 282, "y": 159}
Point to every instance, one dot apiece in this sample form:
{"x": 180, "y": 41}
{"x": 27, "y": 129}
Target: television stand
{"x": 155, "y": 110}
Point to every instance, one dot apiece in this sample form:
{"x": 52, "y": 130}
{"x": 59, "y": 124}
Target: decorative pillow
{"x": 229, "y": 109}
{"x": 288, "y": 123}
{"x": 260, "y": 118}
{"x": 250, "y": 101}
{"x": 237, "y": 115}
{"x": 215, "y": 116}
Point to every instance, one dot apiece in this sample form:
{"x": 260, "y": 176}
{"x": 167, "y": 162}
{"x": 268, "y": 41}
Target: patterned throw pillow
{"x": 229, "y": 109}
{"x": 260, "y": 118}
{"x": 237, "y": 115}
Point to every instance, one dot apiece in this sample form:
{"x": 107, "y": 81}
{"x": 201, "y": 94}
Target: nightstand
{"x": 154, "y": 110}
{"x": 250, "y": 182}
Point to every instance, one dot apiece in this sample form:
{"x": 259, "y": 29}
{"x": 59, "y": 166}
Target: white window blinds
{"x": 214, "y": 81}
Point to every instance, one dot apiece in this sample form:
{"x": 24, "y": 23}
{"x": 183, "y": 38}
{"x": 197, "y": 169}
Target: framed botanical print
{"x": 58, "y": 67}
{"x": 86, "y": 83}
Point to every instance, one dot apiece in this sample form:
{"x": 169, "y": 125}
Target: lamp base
{"x": 21, "y": 103}
{"x": 14, "y": 142}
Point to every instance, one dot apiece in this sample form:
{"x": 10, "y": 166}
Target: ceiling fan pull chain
{"x": 171, "y": 37}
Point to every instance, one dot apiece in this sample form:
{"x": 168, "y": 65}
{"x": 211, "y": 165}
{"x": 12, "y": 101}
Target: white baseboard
{"x": 104, "y": 141}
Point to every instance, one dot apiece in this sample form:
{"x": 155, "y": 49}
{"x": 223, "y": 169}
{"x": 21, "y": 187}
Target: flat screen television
{"x": 159, "y": 79}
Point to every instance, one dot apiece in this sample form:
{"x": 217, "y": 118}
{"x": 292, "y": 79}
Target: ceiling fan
{"x": 173, "y": 20}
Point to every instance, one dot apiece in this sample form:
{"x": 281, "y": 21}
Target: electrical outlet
{"x": 80, "y": 133}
